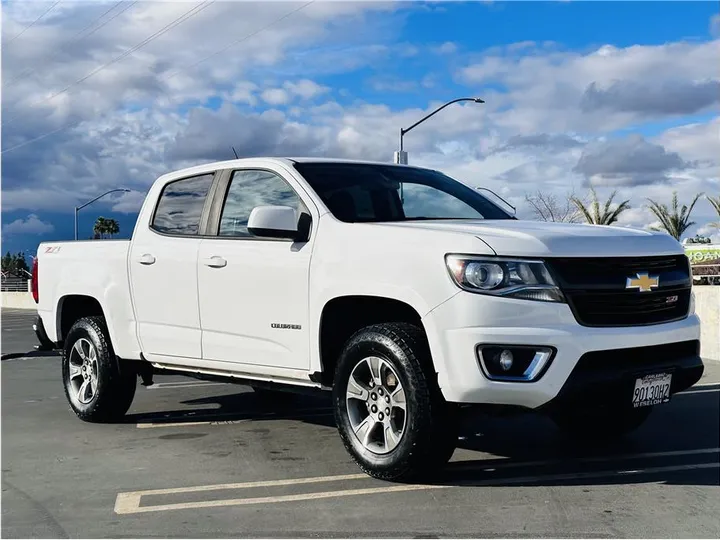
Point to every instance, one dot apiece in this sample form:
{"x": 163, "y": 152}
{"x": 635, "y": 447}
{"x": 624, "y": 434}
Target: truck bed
{"x": 96, "y": 269}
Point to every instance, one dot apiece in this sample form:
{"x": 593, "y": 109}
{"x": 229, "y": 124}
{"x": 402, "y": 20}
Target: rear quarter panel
{"x": 97, "y": 269}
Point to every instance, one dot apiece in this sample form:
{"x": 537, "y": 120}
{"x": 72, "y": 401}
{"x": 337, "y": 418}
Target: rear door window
{"x": 181, "y": 205}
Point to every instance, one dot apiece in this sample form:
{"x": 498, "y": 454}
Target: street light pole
{"x": 78, "y": 208}
{"x": 401, "y": 155}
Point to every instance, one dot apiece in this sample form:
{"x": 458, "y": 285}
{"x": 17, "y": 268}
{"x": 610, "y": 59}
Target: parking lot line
{"x": 129, "y": 503}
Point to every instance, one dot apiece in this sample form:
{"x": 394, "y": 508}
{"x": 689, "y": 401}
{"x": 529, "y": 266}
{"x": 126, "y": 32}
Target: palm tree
{"x": 592, "y": 214}
{"x": 715, "y": 201}
{"x": 112, "y": 227}
{"x": 104, "y": 226}
{"x": 100, "y": 227}
{"x": 673, "y": 221}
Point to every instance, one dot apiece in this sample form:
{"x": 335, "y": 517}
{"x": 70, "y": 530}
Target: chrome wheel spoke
{"x": 79, "y": 349}
{"x": 374, "y": 365}
{"x": 356, "y": 390}
{"x": 75, "y": 371}
{"x": 83, "y": 390}
{"x": 364, "y": 430}
{"x": 391, "y": 438}
{"x": 398, "y": 398}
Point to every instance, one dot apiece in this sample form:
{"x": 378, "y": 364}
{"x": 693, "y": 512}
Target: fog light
{"x": 506, "y": 360}
{"x": 514, "y": 363}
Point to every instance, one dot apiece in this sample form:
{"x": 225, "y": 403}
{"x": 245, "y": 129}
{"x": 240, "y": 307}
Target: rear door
{"x": 254, "y": 290}
{"x": 163, "y": 269}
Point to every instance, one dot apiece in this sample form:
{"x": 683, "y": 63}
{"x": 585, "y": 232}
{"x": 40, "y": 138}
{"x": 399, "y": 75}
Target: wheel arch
{"x": 341, "y": 316}
{"x": 71, "y": 308}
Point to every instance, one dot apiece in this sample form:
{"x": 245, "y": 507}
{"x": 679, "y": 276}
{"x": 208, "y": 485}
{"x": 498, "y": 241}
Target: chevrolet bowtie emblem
{"x": 642, "y": 282}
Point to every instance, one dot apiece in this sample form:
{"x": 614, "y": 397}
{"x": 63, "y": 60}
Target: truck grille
{"x": 596, "y": 293}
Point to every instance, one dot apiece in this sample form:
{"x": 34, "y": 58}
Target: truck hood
{"x": 550, "y": 239}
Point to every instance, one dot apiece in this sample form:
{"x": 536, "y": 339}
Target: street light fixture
{"x": 401, "y": 155}
{"x": 77, "y": 208}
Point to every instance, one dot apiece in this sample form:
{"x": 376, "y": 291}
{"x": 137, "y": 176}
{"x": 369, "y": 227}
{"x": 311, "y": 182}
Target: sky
{"x": 99, "y": 95}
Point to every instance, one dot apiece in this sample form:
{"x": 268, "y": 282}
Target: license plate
{"x": 652, "y": 390}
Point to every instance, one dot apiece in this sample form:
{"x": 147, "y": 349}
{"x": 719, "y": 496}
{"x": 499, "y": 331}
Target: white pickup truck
{"x": 406, "y": 293}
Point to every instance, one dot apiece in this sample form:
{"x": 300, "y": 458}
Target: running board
{"x": 237, "y": 377}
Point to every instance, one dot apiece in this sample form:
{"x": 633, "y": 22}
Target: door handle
{"x": 215, "y": 262}
{"x": 146, "y": 259}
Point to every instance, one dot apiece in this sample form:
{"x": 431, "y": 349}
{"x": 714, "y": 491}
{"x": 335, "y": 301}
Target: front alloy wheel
{"x": 390, "y": 413}
{"x": 376, "y": 405}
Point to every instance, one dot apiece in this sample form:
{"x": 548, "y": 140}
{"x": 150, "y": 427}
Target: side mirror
{"x": 278, "y": 222}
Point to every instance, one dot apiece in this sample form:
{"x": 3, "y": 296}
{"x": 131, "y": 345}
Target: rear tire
{"x": 601, "y": 424}
{"x": 418, "y": 437}
{"x": 97, "y": 385}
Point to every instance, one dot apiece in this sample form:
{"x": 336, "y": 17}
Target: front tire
{"x": 601, "y": 424}
{"x": 389, "y": 411}
{"x": 96, "y": 387}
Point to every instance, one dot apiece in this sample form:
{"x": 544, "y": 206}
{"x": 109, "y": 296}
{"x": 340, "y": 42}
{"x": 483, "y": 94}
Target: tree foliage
{"x": 592, "y": 212}
{"x": 105, "y": 228}
{"x": 674, "y": 220}
{"x": 715, "y": 202}
{"x": 547, "y": 207}
{"x": 15, "y": 263}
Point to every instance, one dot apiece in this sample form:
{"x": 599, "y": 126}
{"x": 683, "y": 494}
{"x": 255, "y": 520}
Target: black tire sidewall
{"x": 370, "y": 343}
{"x": 114, "y": 391}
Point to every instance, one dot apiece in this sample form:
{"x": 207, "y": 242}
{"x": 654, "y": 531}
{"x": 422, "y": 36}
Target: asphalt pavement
{"x": 17, "y": 333}
{"x": 198, "y": 459}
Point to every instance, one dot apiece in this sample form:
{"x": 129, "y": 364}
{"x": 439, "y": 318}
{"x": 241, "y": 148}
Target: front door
{"x": 254, "y": 291}
{"x": 163, "y": 271}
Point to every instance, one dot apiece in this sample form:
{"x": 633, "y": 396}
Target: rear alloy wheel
{"x": 390, "y": 413}
{"x": 98, "y": 386}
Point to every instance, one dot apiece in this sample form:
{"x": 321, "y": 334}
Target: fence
{"x": 15, "y": 284}
{"x": 706, "y": 274}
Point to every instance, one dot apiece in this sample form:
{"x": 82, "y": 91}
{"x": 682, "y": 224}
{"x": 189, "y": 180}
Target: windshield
{"x": 373, "y": 193}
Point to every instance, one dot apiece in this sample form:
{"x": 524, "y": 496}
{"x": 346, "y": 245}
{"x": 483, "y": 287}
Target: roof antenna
{"x": 234, "y": 152}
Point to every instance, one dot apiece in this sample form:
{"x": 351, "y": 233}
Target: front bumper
{"x": 586, "y": 358}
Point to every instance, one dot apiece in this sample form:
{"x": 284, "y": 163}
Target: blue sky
{"x": 623, "y": 93}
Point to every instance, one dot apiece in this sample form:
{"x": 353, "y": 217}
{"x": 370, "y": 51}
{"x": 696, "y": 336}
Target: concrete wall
{"x": 18, "y": 300}
{"x": 707, "y": 306}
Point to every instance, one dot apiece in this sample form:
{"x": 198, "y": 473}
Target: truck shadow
{"x": 679, "y": 444}
{"x": 245, "y": 406}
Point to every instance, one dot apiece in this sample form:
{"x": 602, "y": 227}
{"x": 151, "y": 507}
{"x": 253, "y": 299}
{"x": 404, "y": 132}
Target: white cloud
{"x": 566, "y": 90}
{"x": 447, "y": 48}
{"x": 276, "y": 96}
{"x": 31, "y": 225}
{"x": 141, "y": 116}
{"x": 306, "y": 89}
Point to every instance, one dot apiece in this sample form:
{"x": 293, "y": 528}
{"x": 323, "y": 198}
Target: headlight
{"x": 516, "y": 278}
